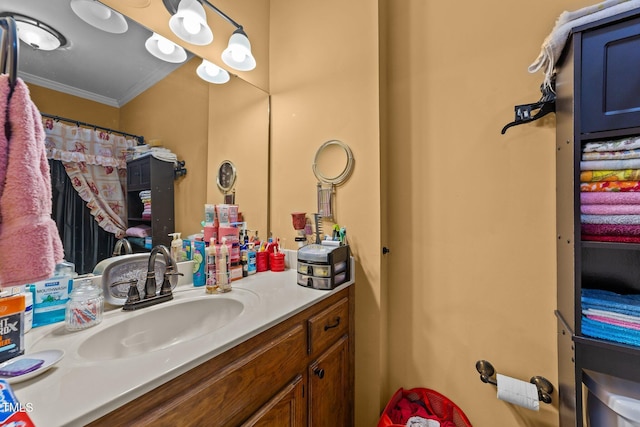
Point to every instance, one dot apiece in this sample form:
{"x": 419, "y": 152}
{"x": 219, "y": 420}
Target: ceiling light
{"x": 36, "y": 34}
{"x": 190, "y": 23}
{"x": 100, "y": 16}
{"x": 212, "y": 73}
{"x": 238, "y": 55}
{"x": 165, "y": 49}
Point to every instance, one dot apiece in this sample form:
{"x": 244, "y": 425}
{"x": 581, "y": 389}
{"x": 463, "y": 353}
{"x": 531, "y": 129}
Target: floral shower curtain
{"x": 95, "y": 161}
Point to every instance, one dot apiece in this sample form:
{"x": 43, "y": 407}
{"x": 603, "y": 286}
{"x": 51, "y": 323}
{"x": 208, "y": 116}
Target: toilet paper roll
{"x": 518, "y": 392}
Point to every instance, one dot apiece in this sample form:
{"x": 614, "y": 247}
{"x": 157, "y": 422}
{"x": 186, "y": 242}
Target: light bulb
{"x": 191, "y": 24}
{"x": 212, "y": 70}
{"x": 100, "y": 11}
{"x": 238, "y": 55}
{"x": 165, "y": 46}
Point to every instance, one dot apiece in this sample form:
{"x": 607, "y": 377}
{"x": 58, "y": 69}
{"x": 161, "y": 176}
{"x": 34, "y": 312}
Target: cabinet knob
{"x": 319, "y": 372}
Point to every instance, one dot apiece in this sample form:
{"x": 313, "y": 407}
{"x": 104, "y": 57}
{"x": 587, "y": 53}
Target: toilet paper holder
{"x": 487, "y": 375}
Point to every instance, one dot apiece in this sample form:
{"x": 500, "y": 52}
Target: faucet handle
{"x": 133, "y": 294}
{"x": 166, "y": 283}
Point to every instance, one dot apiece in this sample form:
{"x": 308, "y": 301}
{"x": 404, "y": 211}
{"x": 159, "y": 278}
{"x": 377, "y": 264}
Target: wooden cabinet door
{"x": 285, "y": 409}
{"x": 329, "y": 387}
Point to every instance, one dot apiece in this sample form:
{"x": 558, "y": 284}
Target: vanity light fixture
{"x": 165, "y": 49}
{"x": 100, "y": 16}
{"x": 211, "y": 73}
{"x": 237, "y": 55}
{"x": 36, "y": 34}
{"x": 190, "y": 23}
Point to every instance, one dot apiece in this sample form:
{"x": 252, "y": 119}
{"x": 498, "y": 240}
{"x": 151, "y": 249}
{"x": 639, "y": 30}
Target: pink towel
{"x": 604, "y": 238}
{"x": 611, "y": 229}
{"x": 4, "y": 153}
{"x": 29, "y": 240}
{"x": 609, "y": 198}
{"x": 602, "y": 209}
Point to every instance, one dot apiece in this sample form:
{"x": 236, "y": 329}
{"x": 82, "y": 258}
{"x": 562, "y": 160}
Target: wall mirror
{"x": 203, "y": 123}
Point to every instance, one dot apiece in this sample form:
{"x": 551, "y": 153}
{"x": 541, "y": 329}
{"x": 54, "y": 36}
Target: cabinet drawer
{"x": 327, "y": 326}
{"x": 609, "y": 79}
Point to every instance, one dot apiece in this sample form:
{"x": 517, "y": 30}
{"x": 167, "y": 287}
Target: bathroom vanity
{"x": 277, "y": 354}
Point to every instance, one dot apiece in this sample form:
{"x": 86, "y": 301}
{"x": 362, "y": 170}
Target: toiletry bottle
{"x": 251, "y": 260}
{"x": 223, "y": 268}
{"x": 176, "y": 247}
{"x": 211, "y": 267}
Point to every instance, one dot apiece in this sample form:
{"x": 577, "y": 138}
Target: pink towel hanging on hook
{"x": 29, "y": 241}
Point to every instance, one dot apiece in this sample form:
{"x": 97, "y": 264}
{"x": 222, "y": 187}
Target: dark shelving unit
{"x": 598, "y": 99}
{"x": 157, "y": 176}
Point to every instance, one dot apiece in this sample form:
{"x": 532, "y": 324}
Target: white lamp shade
{"x": 211, "y": 73}
{"x": 238, "y": 55}
{"x": 99, "y": 16}
{"x": 36, "y": 37}
{"x": 165, "y": 49}
{"x": 190, "y": 23}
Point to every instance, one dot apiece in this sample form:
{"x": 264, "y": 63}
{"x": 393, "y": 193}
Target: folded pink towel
{"x": 29, "y": 240}
{"x": 609, "y": 197}
{"x": 615, "y": 239}
{"x": 139, "y": 231}
{"x": 611, "y": 229}
{"x": 602, "y": 209}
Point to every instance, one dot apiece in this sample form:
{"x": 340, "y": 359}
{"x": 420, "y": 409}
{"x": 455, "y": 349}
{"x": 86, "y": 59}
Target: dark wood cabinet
{"x": 598, "y": 100}
{"x": 297, "y": 373}
{"x": 155, "y": 177}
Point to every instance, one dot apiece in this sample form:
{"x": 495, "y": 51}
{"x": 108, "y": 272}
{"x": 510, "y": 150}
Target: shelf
{"x": 140, "y": 219}
{"x": 608, "y": 357}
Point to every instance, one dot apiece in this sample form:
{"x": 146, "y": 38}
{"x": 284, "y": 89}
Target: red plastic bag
{"x": 425, "y": 403}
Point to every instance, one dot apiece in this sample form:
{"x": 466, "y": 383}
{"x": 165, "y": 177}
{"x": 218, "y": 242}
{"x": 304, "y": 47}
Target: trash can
{"x": 611, "y": 401}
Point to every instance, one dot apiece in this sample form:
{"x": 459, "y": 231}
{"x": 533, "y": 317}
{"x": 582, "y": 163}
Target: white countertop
{"x": 77, "y": 390}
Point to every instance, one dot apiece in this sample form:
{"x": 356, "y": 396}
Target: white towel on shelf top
{"x": 553, "y": 44}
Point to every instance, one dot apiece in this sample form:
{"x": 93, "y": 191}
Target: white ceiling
{"x": 104, "y": 67}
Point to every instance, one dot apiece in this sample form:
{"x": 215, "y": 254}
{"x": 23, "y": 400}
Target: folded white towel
{"x": 555, "y": 41}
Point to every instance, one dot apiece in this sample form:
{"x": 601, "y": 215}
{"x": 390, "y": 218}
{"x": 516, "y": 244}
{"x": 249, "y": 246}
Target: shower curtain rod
{"x": 140, "y": 139}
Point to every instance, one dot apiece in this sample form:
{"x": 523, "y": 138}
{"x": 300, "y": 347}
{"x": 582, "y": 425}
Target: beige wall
{"x": 469, "y": 214}
{"x": 176, "y": 111}
{"x": 324, "y": 85}
{"x": 60, "y": 104}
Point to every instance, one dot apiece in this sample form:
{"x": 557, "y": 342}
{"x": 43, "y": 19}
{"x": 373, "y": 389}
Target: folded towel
{"x": 610, "y": 175}
{"x": 611, "y": 155}
{"x": 554, "y": 43}
{"x": 610, "y": 219}
{"x": 610, "y": 321}
{"x": 612, "y": 315}
{"x": 617, "y": 145}
{"x": 142, "y": 230}
{"x": 601, "y": 299}
{"x": 627, "y": 209}
{"x": 609, "y": 197}
{"x": 624, "y": 186}
{"x": 613, "y": 239}
{"x": 25, "y": 205}
{"x": 610, "y": 164}
{"x": 605, "y": 331}
{"x": 610, "y": 229}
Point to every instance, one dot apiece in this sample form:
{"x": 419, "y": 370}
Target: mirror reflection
{"x": 202, "y": 123}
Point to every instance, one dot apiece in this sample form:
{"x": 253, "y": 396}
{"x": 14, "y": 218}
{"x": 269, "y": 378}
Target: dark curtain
{"x": 85, "y": 242}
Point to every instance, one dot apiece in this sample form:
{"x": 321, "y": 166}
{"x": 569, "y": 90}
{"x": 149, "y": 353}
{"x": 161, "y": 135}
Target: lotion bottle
{"x": 223, "y": 268}
{"x": 211, "y": 286}
{"x": 176, "y": 247}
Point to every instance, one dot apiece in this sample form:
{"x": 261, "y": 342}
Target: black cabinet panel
{"x": 610, "y": 81}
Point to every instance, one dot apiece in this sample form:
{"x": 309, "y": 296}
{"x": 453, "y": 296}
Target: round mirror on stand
{"x": 226, "y": 178}
{"x": 332, "y": 165}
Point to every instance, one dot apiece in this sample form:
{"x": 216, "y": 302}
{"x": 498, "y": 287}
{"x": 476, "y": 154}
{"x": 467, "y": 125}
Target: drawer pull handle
{"x": 319, "y": 372}
{"x": 335, "y": 325}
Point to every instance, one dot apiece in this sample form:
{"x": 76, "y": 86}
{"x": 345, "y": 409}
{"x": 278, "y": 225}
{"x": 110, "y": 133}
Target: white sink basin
{"x": 159, "y": 327}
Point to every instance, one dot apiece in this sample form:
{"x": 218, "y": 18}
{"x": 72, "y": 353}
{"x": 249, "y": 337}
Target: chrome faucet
{"x": 122, "y": 243}
{"x": 150, "y": 298}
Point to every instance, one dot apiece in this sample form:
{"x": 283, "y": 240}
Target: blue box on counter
{"x": 199, "y": 263}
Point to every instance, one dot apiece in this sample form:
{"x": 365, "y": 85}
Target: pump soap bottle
{"x": 211, "y": 286}
{"x": 176, "y": 247}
